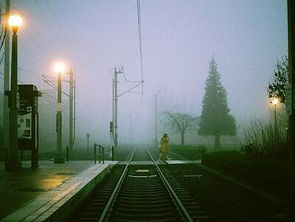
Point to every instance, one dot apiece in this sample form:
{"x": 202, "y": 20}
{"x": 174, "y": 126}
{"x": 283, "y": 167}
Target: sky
{"x": 179, "y": 37}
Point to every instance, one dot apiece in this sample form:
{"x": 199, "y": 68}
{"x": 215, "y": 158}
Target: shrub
{"x": 263, "y": 172}
{"x": 261, "y": 137}
{"x": 203, "y": 149}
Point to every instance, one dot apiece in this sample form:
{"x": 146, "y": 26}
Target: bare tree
{"x": 180, "y": 122}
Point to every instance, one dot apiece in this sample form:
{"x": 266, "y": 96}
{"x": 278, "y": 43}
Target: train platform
{"x": 162, "y": 162}
{"x": 49, "y": 191}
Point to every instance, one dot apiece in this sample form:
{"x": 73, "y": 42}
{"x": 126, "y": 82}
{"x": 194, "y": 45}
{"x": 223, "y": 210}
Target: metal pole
{"x": 71, "y": 105}
{"x": 291, "y": 127}
{"x": 87, "y": 139}
{"x": 102, "y": 154}
{"x": 113, "y": 111}
{"x": 116, "y": 108}
{"x": 59, "y": 155}
{"x": 130, "y": 129}
{"x": 13, "y": 160}
{"x": 6, "y": 76}
{"x": 113, "y": 153}
{"x": 156, "y": 120}
{"x": 99, "y": 154}
{"x": 94, "y": 151}
{"x": 276, "y": 141}
{"x": 67, "y": 153}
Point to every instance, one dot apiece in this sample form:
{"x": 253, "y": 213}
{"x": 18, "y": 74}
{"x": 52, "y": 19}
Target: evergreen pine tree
{"x": 215, "y": 119}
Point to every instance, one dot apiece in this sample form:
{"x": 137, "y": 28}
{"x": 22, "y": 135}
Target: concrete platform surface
{"x": 183, "y": 161}
{"x": 161, "y": 162}
{"x": 35, "y": 194}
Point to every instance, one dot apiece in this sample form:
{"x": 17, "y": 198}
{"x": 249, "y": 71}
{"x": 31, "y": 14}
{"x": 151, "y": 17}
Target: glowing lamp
{"x": 15, "y": 21}
{"x": 275, "y": 101}
{"x": 59, "y": 67}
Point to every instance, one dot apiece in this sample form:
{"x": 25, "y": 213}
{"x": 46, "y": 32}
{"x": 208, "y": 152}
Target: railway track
{"x": 140, "y": 193}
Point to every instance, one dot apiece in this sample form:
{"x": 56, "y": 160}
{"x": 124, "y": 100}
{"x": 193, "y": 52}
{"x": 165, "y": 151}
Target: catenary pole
{"x": 156, "y": 120}
{"x": 116, "y": 108}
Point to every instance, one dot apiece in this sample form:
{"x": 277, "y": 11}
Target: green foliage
{"x": 261, "y": 137}
{"x": 215, "y": 119}
{"x": 264, "y": 172}
{"x": 203, "y": 149}
{"x": 279, "y": 86}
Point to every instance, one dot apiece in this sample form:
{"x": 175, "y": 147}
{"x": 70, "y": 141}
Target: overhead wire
{"x": 140, "y": 41}
{"x": 140, "y": 50}
{"x": 2, "y": 36}
{"x": 58, "y": 19}
{"x": 131, "y": 81}
{"x": 33, "y": 34}
{"x": 47, "y": 22}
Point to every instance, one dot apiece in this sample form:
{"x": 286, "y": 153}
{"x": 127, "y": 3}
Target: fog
{"x": 178, "y": 40}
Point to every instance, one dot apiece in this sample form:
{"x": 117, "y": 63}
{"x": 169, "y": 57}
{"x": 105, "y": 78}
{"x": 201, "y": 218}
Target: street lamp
{"x": 59, "y": 158}
{"x": 275, "y": 101}
{"x": 13, "y": 163}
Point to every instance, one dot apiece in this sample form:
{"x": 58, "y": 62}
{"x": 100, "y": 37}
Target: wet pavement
{"x": 20, "y": 187}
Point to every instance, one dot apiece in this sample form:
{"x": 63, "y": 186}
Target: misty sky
{"x": 179, "y": 38}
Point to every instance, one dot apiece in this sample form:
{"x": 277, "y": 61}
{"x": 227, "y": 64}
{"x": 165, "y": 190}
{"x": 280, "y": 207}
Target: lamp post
{"x": 13, "y": 163}
{"x": 59, "y": 158}
{"x": 275, "y": 101}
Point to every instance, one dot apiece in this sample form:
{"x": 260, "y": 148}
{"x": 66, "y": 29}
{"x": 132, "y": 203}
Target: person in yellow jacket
{"x": 164, "y": 146}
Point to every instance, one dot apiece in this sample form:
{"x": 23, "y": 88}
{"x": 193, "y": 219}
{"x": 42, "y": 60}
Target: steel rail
{"x": 178, "y": 202}
{"x": 116, "y": 190}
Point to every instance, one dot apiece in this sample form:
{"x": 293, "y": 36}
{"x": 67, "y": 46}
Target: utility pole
{"x": 59, "y": 155}
{"x": 291, "y": 127}
{"x": 118, "y": 70}
{"x": 6, "y": 75}
{"x": 71, "y": 111}
{"x": 156, "y": 120}
{"x": 130, "y": 129}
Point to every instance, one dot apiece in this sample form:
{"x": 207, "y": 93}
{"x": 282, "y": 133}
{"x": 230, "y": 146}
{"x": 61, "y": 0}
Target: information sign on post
{"x": 28, "y": 120}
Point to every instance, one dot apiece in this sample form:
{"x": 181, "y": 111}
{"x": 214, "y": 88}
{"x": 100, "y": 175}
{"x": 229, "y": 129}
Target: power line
{"x": 47, "y": 22}
{"x": 33, "y": 35}
{"x": 140, "y": 41}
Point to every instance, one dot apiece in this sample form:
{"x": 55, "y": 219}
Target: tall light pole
{"x": 275, "y": 101}
{"x": 13, "y": 163}
{"x": 59, "y": 158}
{"x": 6, "y": 76}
